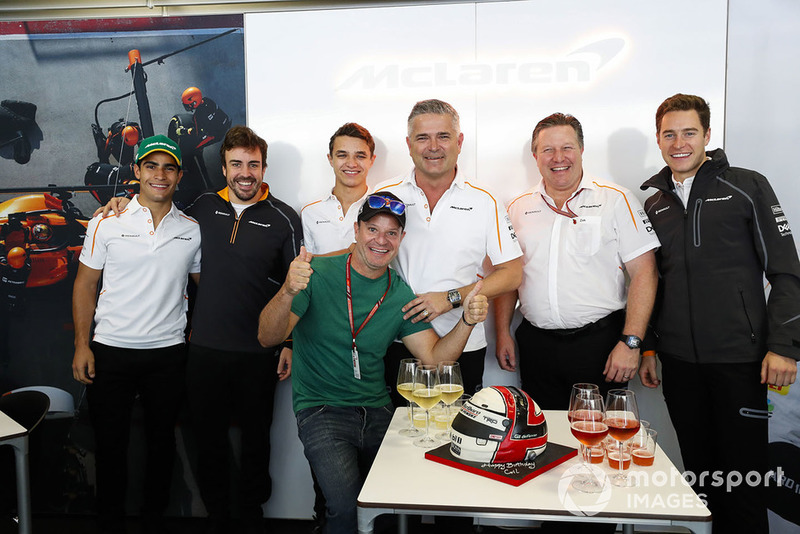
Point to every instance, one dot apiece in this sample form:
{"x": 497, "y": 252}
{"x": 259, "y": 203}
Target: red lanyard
{"x": 353, "y": 331}
{"x": 566, "y": 212}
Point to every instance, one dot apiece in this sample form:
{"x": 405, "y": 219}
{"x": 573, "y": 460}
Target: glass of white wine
{"x": 426, "y": 395}
{"x": 452, "y": 387}
{"x": 405, "y": 387}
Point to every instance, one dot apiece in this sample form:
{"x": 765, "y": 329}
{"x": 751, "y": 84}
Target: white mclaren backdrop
{"x": 504, "y": 66}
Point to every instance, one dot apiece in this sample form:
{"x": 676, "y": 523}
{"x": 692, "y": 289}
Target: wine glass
{"x": 405, "y": 387}
{"x": 579, "y": 390}
{"x": 590, "y": 429}
{"x": 426, "y": 395}
{"x": 452, "y": 387}
{"x": 622, "y": 418}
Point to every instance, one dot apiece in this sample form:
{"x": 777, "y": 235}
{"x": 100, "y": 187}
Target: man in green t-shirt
{"x": 345, "y": 311}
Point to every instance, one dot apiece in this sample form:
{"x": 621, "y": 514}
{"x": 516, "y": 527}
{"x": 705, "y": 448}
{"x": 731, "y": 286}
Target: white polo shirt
{"x": 142, "y": 302}
{"x": 325, "y": 227}
{"x": 574, "y": 265}
{"x": 446, "y": 249}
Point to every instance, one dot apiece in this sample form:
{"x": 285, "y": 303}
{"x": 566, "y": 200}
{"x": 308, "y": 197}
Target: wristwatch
{"x": 633, "y": 342}
{"x": 454, "y": 297}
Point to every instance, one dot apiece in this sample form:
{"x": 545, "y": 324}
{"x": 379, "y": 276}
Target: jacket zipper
{"x": 686, "y": 252}
{"x": 747, "y": 316}
{"x": 235, "y": 227}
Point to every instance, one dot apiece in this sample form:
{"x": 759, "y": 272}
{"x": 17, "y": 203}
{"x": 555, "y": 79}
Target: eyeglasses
{"x": 395, "y": 206}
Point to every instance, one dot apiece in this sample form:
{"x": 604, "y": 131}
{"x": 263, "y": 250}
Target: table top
{"x": 401, "y": 478}
{"x": 9, "y": 428}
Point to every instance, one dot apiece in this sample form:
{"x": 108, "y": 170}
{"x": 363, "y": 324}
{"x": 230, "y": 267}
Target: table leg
{"x": 627, "y": 528}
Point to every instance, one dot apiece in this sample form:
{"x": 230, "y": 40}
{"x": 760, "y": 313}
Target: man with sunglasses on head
{"x": 453, "y": 225}
{"x": 338, "y": 389}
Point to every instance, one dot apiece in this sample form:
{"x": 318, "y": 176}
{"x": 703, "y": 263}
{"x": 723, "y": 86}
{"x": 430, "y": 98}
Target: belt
{"x": 605, "y": 322}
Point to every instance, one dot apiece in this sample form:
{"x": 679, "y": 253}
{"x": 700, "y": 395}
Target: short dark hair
{"x": 557, "y": 119}
{"x": 351, "y": 129}
{"x": 435, "y": 107}
{"x": 241, "y": 136}
{"x": 682, "y": 102}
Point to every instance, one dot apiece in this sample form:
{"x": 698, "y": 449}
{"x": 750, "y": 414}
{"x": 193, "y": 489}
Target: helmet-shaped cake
{"x": 499, "y": 424}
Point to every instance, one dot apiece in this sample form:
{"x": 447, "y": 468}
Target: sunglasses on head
{"x": 395, "y": 206}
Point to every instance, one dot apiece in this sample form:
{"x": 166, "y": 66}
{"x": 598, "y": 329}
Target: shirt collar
{"x": 134, "y": 206}
{"x": 459, "y": 181}
{"x": 264, "y": 192}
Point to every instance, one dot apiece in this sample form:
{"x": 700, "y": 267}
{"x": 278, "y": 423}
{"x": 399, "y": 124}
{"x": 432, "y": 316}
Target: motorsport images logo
{"x": 577, "y": 502}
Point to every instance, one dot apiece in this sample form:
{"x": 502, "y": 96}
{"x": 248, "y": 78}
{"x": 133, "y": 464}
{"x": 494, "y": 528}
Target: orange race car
{"x": 41, "y": 236}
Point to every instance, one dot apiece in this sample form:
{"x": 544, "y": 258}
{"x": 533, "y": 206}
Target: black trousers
{"x": 719, "y": 414}
{"x": 157, "y": 377}
{"x": 551, "y": 361}
{"x": 232, "y": 388}
{"x": 471, "y": 370}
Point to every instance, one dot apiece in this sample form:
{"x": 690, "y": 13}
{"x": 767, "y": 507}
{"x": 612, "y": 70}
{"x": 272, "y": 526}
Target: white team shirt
{"x": 143, "y": 302}
{"x": 446, "y": 249}
{"x": 325, "y": 227}
{"x": 574, "y": 266}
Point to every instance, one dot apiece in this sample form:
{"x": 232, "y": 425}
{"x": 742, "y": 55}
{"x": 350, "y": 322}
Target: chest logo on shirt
{"x": 662, "y": 209}
{"x": 182, "y": 238}
{"x": 590, "y": 206}
{"x": 719, "y": 199}
{"x": 263, "y": 225}
{"x": 461, "y": 208}
{"x": 222, "y": 213}
{"x": 323, "y": 222}
{"x": 531, "y": 212}
{"x": 130, "y": 235}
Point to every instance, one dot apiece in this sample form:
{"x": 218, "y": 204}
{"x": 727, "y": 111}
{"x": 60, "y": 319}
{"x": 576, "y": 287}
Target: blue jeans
{"x": 340, "y": 443}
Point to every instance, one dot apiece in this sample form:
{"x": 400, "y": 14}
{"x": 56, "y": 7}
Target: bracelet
{"x": 648, "y": 353}
{"x": 465, "y": 320}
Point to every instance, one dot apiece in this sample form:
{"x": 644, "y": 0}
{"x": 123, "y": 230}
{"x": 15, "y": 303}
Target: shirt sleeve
{"x": 94, "y": 251}
{"x": 501, "y": 240}
{"x": 308, "y": 236}
{"x": 636, "y": 234}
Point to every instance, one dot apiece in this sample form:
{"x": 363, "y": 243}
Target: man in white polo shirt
{"x": 143, "y": 258}
{"x": 328, "y": 222}
{"x": 453, "y": 225}
{"x": 579, "y": 235}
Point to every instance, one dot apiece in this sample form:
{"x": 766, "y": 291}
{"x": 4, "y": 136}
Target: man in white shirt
{"x": 580, "y": 235}
{"x": 453, "y": 225}
{"x": 143, "y": 257}
{"x": 328, "y": 222}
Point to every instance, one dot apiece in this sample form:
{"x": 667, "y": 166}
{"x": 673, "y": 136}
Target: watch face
{"x": 633, "y": 342}
{"x": 454, "y": 297}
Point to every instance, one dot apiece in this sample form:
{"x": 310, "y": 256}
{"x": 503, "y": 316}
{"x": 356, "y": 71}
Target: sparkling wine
{"x": 406, "y": 389}
{"x": 450, "y": 392}
{"x": 426, "y": 397}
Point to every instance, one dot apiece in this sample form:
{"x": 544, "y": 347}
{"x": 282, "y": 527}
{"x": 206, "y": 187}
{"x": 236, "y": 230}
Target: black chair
{"x": 27, "y": 409}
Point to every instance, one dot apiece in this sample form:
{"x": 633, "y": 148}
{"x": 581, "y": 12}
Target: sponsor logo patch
{"x": 777, "y": 210}
{"x": 263, "y": 225}
{"x": 719, "y": 199}
{"x": 662, "y": 209}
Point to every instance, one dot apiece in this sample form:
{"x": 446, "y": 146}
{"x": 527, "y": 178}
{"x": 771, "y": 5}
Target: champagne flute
{"x": 622, "y": 418}
{"x": 426, "y": 395}
{"x": 452, "y": 387}
{"x": 579, "y": 390}
{"x": 590, "y": 429}
{"x": 405, "y": 387}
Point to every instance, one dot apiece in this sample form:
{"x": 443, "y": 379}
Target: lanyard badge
{"x": 353, "y": 331}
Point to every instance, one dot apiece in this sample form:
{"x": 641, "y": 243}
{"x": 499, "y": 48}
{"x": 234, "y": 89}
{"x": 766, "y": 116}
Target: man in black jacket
{"x": 719, "y": 339}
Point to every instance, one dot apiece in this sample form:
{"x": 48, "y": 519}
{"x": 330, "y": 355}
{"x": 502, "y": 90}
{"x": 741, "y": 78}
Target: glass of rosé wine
{"x": 590, "y": 429}
{"x": 622, "y": 418}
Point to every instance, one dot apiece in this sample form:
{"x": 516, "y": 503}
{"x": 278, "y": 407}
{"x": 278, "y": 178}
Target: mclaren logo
{"x": 662, "y": 209}
{"x": 263, "y": 225}
{"x": 582, "y": 64}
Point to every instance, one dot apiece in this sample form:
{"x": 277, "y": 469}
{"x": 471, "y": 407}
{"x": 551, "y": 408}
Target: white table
{"x": 402, "y": 481}
{"x": 9, "y": 428}
{"x": 12, "y": 433}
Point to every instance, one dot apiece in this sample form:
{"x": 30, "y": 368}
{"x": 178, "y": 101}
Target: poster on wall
{"x": 76, "y": 98}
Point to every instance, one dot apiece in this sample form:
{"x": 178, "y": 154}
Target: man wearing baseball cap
{"x": 338, "y": 389}
{"x": 142, "y": 259}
